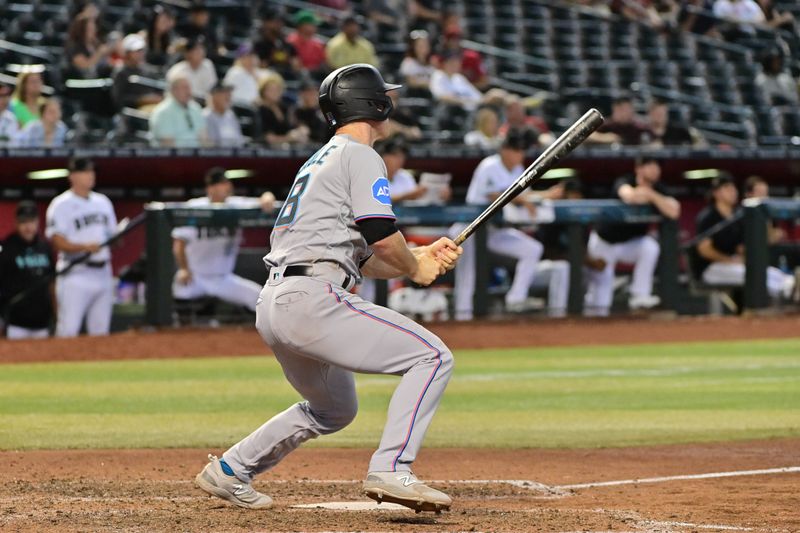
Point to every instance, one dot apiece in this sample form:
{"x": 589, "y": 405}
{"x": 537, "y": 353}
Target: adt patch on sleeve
{"x": 380, "y": 191}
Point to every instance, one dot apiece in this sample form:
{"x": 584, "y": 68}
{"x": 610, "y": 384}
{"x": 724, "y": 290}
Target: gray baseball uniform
{"x": 321, "y": 333}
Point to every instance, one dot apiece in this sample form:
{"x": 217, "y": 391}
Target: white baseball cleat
{"x": 405, "y": 489}
{"x": 526, "y": 305}
{"x": 217, "y": 483}
{"x": 647, "y": 301}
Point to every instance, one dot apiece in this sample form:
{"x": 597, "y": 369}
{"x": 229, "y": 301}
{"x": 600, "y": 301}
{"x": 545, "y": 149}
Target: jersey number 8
{"x": 292, "y": 203}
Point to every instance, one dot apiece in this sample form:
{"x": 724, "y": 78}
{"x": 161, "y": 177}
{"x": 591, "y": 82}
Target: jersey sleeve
{"x": 57, "y": 224}
{"x": 478, "y": 191}
{"x": 369, "y": 187}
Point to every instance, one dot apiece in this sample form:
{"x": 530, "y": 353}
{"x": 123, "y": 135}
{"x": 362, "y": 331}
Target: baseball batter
{"x": 206, "y": 256}
{"x": 79, "y": 220}
{"x": 336, "y": 225}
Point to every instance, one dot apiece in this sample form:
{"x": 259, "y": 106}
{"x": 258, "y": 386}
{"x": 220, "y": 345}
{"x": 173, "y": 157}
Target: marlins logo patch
{"x": 380, "y": 191}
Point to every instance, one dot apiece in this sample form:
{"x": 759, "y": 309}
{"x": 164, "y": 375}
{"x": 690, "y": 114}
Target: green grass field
{"x": 549, "y": 397}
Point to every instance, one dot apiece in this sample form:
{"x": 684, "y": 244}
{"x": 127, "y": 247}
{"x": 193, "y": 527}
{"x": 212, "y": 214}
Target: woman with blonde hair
{"x": 487, "y": 127}
{"x": 277, "y": 120}
{"x": 27, "y": 97}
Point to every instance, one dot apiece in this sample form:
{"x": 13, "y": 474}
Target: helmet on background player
{"x": 355, "y": 92}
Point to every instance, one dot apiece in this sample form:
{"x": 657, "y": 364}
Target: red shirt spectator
{"x": 310, "y": 49}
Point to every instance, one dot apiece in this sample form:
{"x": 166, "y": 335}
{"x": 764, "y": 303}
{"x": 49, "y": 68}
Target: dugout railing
{"x": 574, "y": 214}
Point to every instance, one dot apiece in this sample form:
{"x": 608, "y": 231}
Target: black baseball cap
{"x": 215, "y": 175}
{"x": 26, "y": 210}
{"x": 392, "y": 145}
{"x": 516, "y": 139}
{"x": 220, "y": 86}
{"x": 722, "y": 179}
{"x": 647, "y": 159}
{"x": 80, "y": 164}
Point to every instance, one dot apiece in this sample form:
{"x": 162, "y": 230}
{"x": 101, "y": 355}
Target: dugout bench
{"x": 576, "y": 214}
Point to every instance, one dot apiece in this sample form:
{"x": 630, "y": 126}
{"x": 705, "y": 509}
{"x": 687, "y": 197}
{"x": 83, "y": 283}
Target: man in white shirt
{"x": 206, "y": 256}
{"x": 9, "y": 127}
{"x": 79, "y": 220}
{"x": 222, "y": 126}
{"x": 196, "y": 68}
{"x": 745, "y": 12}
{"x": 491, "y": 178}
{"x": 449, "y": 86}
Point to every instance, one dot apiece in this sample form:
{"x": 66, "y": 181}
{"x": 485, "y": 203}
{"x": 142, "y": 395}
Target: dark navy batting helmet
{"x": 355, "y": 92}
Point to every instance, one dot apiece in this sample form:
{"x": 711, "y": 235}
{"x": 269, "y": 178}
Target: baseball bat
{"x": 561, "y": 147}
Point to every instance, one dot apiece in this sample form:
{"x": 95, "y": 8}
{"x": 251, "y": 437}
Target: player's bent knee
{"x": 447, "y": 361}
{"x": 333, "y": 420}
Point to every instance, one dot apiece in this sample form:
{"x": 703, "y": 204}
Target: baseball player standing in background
{"x": 206, "y": 256}
{"x": 79, "y": 220}
{"x": 493, "y": 176}
{"x": 26, "y": 263}
{"x": 336, "y": 225}
{"x": 629, "y": 243}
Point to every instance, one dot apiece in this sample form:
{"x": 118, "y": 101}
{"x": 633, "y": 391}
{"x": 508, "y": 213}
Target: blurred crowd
{"x": 178, "y": 76}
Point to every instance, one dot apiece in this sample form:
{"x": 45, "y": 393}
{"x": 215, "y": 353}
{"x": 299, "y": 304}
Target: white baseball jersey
{"x": 491, "y": 177}
{"x": 401, "y": 183}
{"x": 82, "y": 221}
{"x": 212, "y": 251}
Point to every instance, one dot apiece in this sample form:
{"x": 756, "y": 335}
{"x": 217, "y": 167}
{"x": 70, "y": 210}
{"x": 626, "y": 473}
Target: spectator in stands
{"x": 695, "y": 16}
{"x": 199, "y": 27}
{"x": 416, "y": 67}
{"x": 402, "y": 185}
{"x": 159, "y": 36}
{"x": 27, "y": 97}
{"x": 87, "y": 55}
{"x": 222, "y": 126}
{"x": 243, "y": 76}
{"x": 272, "y": 49}
{"x": 9, "y": 127}
{"x": 178, "y": 120}
{"x": 486, "y": 134}
{"x": 402, "y": 121}
{"x": 720, "y": 253}
{"x": 665, "y": 133}
{"x": 642, "y": 11}
{"x": 382, "y": 14}
{"x": 46, "y": 132}
{"x": 277, "y": 120}
{"x": 783, "y": 20}
{"x": 744, "y": 13}
{"x": 348, "y": 46}
{"x": 472, "y": 66}
{"x": 308, "y": 113}
{"x": 630, "y": 243}
{"x": 450, "y": 86}
{"x": 424, "y": 14}
{"x": 310, "y": 49}
{"x": 128, "y": 93}
{"x": 517, "y": 117}
{"x": 26, "y": 265}
{"x": 777, "y": 84}
{"x": 623, "y": 127}
{"x": 195, "y": 67}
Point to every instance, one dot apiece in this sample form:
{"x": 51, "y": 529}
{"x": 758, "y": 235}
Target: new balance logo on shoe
{"x": 407, "y": 480}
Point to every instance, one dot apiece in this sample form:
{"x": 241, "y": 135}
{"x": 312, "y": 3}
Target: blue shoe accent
{"x": 225, "y": 467}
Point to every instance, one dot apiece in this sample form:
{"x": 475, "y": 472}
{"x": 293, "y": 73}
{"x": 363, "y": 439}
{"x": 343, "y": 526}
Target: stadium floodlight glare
{"x": 49, "y": 174}
{"x": 702, "y": 174}
{"x": 239, "y": 173}
{"x": 559, "y": 174}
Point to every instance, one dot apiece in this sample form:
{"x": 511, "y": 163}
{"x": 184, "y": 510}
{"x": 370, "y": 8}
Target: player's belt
{"x": 309, "y": 271}
{"x": 96, "y": 264}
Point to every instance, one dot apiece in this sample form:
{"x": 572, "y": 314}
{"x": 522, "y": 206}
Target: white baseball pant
{"x": 85, "y": 293}
{"x": 642, "y": 252}
{"x": 18, "y": 333}
{"x": 228, "y": 287}
{"x": 733, "y": 274}
{"x": 528, "y": 252}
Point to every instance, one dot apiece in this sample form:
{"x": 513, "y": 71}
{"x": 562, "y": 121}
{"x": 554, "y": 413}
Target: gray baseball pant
{"x": 321, "y": 334}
